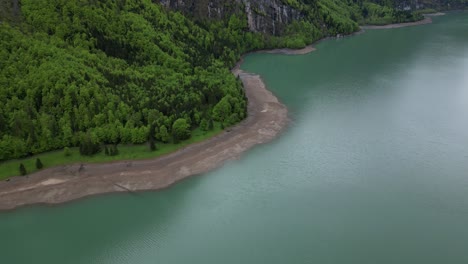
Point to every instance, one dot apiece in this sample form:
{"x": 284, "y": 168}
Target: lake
{"x": 372, "y": 169}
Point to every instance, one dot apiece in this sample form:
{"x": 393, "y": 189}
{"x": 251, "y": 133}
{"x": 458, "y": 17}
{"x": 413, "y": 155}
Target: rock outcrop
{"x": 266, "y": 16}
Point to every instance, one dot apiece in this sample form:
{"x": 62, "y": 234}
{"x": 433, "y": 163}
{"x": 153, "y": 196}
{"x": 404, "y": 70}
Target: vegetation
{"x": 22, "y": 170}
{"x": 67, "y": 152}
{"x": 152, "y": 145}
{"x": 181, "y": 129}
{"x": 324, "y": 18}
{"x": 39, "y": 164}
{"x": 86, "y": 76}
{"x": 87, "y": 73}
{"x": 375, "y": 14}
{"x": 126, "y": 152}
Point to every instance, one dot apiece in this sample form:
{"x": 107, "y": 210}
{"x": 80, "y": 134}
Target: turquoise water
{"x": 373, "y": 169}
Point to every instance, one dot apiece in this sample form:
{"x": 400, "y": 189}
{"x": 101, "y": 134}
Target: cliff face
{"x": 266, "y": 16}
{"x": 269, "y": 15}
{"x": 272, "y": 16}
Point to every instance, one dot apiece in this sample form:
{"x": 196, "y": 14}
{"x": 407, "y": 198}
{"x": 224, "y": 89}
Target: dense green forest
{"x": 112, "y": 72}
{"x": 88, "y": 72}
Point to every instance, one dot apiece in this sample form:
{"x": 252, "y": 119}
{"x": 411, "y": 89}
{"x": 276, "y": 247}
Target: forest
{"x": 86, "y": 73}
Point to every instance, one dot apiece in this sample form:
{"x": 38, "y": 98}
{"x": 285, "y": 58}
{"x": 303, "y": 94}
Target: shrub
{"x": 66, "y": 152}
{"x": 22, "y": 169}
{"x": 88, "y": 147}
{"x": 39, "y": 164}
{"x": 152, "y": 145}
{"x": 181, "y": 129}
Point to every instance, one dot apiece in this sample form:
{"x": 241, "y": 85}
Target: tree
{"x": 204, "y": 125}
{"x": 139, "y": 135}
{"x": 39, "y": 164}
{"x": 181, "y": 129}
{"x": 66, "y": 152}
{"x": 88, "y": 147}
{"x": 152, "y": 145}
{"x": 114, "y": 151}
{"x": 210, "y": 124}
{"x": 163, "y": 134}
{"x": 222, "y": 110}
{"x": 232, "y": 119}
{"x": 22, "y": 169}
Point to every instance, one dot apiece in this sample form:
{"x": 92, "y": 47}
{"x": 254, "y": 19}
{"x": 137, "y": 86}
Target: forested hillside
{"x": 129, "y": 71}
{"x": 114, "y": 72}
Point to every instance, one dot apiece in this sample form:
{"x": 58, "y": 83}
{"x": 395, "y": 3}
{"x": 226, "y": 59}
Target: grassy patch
{"x": 126, "y": 152}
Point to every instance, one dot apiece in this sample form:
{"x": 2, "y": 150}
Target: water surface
{"x": 373, "y": 169}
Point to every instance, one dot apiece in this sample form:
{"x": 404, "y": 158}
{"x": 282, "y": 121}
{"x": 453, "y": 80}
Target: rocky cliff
{"x": 272, "y": 16}
{"x": 266, "y": 16}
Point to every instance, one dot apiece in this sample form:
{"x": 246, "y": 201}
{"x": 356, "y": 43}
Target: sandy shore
{"x": 435, "y": 14}
{"x": 306, "y": 50}
{"x": 267, "y": 117}
{"x": 426, "y": 20}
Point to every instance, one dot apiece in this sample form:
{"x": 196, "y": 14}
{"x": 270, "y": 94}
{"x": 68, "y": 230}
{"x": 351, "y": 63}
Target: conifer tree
{"x": 22, "y": 169}
{"x": 39, "y": 164}
{"x": 152, "y": 145}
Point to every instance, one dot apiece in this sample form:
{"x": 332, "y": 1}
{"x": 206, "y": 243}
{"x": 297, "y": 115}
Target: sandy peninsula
{"x": 267, "y": 117}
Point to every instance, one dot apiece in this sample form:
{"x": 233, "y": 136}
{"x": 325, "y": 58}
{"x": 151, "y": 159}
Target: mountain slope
{"x": 88, "y": 72}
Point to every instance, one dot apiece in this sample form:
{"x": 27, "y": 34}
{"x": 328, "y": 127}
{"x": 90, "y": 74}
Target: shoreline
{"x": 267, "y": 118}
{"x": 287, "y": 51}
{"x": 427, "y": 20}
{"x": 435, "y": 14}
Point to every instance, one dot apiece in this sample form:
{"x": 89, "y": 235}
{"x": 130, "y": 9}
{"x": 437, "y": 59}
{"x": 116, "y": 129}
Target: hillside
{"x": 86, "y": 73}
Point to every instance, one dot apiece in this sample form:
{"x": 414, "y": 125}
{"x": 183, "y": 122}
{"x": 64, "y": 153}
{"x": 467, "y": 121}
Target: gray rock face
{"x": 269, "y": 16}
{"x": 266, "y": 16}
{"x": 272, "y": 16}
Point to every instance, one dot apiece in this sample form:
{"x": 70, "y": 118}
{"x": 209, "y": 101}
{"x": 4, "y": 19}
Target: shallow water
{"x": 373, "y": 169}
